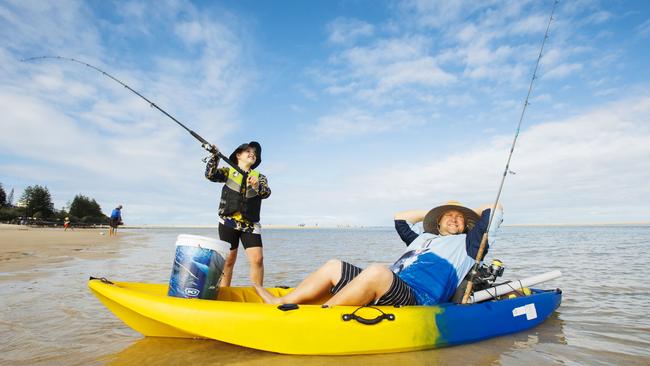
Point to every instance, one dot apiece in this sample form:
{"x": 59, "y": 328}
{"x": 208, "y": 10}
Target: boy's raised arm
{"x": 213, "y": 173}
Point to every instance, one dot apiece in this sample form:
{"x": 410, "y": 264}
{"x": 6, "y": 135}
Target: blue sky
{"x": 363, "y": 108}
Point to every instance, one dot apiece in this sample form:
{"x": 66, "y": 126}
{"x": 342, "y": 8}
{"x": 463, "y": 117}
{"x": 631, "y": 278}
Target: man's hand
{"x": 411, "y": 216}
{"x": 254, "y": 182}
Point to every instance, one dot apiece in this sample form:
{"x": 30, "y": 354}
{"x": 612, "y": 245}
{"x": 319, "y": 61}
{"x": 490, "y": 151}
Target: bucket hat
{"x": 258, "y": 152}
{"x": 432, "y": 218}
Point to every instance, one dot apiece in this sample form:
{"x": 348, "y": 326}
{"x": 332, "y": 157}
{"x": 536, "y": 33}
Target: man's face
{"x": 451, "y": 222}
{"x": 248, "y": 156}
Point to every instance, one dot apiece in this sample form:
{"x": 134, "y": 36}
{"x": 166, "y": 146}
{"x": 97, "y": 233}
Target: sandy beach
{"x": 25, "y": 250}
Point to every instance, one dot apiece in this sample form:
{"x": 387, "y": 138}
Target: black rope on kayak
{"x": 362, "y": 320}
{"x": 479, "y": 255}
{"x": 514, "y": 289}
{"x": 102, "y": 279}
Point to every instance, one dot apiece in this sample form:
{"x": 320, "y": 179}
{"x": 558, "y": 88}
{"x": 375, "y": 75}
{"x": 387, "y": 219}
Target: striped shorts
{"x": 399, "y": 292}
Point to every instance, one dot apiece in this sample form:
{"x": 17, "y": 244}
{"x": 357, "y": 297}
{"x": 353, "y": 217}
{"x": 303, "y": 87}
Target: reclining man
{"x": 433, "y": 265}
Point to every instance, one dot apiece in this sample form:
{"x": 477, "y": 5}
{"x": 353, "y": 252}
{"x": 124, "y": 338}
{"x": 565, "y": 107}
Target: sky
{"x": 362, "y": 108}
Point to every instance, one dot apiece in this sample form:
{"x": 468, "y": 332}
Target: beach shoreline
{"x": 25, "y": 252}
{"x": 344, "y": 227}
{"x": 264, "y": 226}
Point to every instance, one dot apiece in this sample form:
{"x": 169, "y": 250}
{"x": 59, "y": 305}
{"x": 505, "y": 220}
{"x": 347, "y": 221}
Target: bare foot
{"x": 266, "y": 296}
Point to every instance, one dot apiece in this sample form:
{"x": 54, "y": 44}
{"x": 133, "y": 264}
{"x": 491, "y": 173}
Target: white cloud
{"x": 440, "y": 13}
{"x": 429, "y": 61}
{"x": 384, "y": 51}
{"x": 588, "y": 168}
{"x": 599, "y": 17}
{"x": 564, "y": 169}
{"x": 643, "y": 29}
{"x": 190, "y": 32}
{"x": 60, "y": 25}
{"x": 562, "y": 70}
{"x": 80, "y": 132}
{"x": 422, "y": 71}
{"x": 476, "y": 41}
{"x": 353, "y": 122}
{"x": 388, "y": 66}
{"x": 459, "y": 100}
{"x": 534, "y": 24}
{"x": 347, "y": 30}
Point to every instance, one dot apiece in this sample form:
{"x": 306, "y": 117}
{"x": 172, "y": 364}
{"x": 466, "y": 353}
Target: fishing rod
{"x": 481, "y": 249}
{"x": 205, "y": 144}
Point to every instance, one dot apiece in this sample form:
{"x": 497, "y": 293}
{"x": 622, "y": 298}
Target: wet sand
{"x": 25, "y": 250}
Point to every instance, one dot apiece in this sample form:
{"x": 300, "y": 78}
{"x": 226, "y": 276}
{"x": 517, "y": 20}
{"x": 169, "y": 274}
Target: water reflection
{"x": 168, "y": 351}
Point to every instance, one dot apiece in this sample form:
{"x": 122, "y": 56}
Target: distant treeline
{"x": 35, "y": 206}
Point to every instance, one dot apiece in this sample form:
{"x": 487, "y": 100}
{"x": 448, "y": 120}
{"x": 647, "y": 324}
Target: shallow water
{"x": 603, "y": 319}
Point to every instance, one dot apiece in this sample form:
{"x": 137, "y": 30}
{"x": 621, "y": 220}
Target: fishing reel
{"x": 488, "y": 274}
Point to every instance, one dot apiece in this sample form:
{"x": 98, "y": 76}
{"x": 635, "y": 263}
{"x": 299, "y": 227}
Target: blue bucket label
{"x": 196, "y": 273}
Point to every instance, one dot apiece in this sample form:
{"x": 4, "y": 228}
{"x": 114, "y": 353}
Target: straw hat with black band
{"x": 258, "y": 153}
{"x": 432, "y": 218}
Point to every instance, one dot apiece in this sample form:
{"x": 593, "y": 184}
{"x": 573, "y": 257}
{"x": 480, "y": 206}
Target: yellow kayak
{"x": 239, "y": 317}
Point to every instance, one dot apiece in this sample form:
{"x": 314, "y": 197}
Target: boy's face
{"x": 247, "y": 156}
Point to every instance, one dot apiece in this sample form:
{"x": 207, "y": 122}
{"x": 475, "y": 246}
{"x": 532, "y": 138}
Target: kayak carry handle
{"x": 348, "y": 317}
{"x": 362, "y": 320}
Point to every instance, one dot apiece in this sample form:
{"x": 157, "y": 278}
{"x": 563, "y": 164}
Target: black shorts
{"x": 399, "y": 292}
{"x": 114, "y": 223}
{"x": 232, "y": 236}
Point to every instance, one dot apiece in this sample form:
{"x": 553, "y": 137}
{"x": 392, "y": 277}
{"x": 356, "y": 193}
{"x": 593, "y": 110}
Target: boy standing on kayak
{"x": 239, "y": 208}
{"x": 428, "y": 272}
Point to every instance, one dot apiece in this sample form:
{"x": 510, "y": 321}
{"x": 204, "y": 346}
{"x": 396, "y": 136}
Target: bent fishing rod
{"x": 205, "y": 144}
{"x": 484, "y": 239}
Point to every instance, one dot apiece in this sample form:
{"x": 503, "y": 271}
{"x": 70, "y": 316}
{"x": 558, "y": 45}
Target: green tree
{"x": 38, "y": 201}
{"x": 9, "y": 214}
{"x": 61, "y": 214}
{"x": 87, "y": 210}
{"x": 10, "y": 199}
{"x": 3, "y": 197}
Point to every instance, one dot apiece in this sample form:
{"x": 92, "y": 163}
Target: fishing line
{"x": 205, "y": 144}
{"x": 479, "y": 255}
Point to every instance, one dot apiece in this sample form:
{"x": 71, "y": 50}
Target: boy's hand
{"x": 254, "y": 182}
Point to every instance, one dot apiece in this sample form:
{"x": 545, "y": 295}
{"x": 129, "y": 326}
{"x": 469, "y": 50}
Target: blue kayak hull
{"x": 460, "y": 324}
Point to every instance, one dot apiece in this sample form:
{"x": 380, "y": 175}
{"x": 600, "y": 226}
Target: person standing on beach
{"x": 240, "y": 206}
{"x": 115, "y": 220}
{"x": 66, "y": 224}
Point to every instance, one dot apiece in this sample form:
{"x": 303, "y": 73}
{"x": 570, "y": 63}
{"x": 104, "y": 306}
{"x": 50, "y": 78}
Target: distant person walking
{"x": 239, "y": 208}
{"x": 66, "y": 224}
{"x": 115, "y": 220}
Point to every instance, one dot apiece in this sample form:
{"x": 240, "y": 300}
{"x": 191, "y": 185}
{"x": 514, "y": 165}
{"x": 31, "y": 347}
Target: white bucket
{"x": 198, "y": 265}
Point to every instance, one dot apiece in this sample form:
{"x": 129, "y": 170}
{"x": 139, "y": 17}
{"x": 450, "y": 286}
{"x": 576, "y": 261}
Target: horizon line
{"x": 346, "y": 226}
